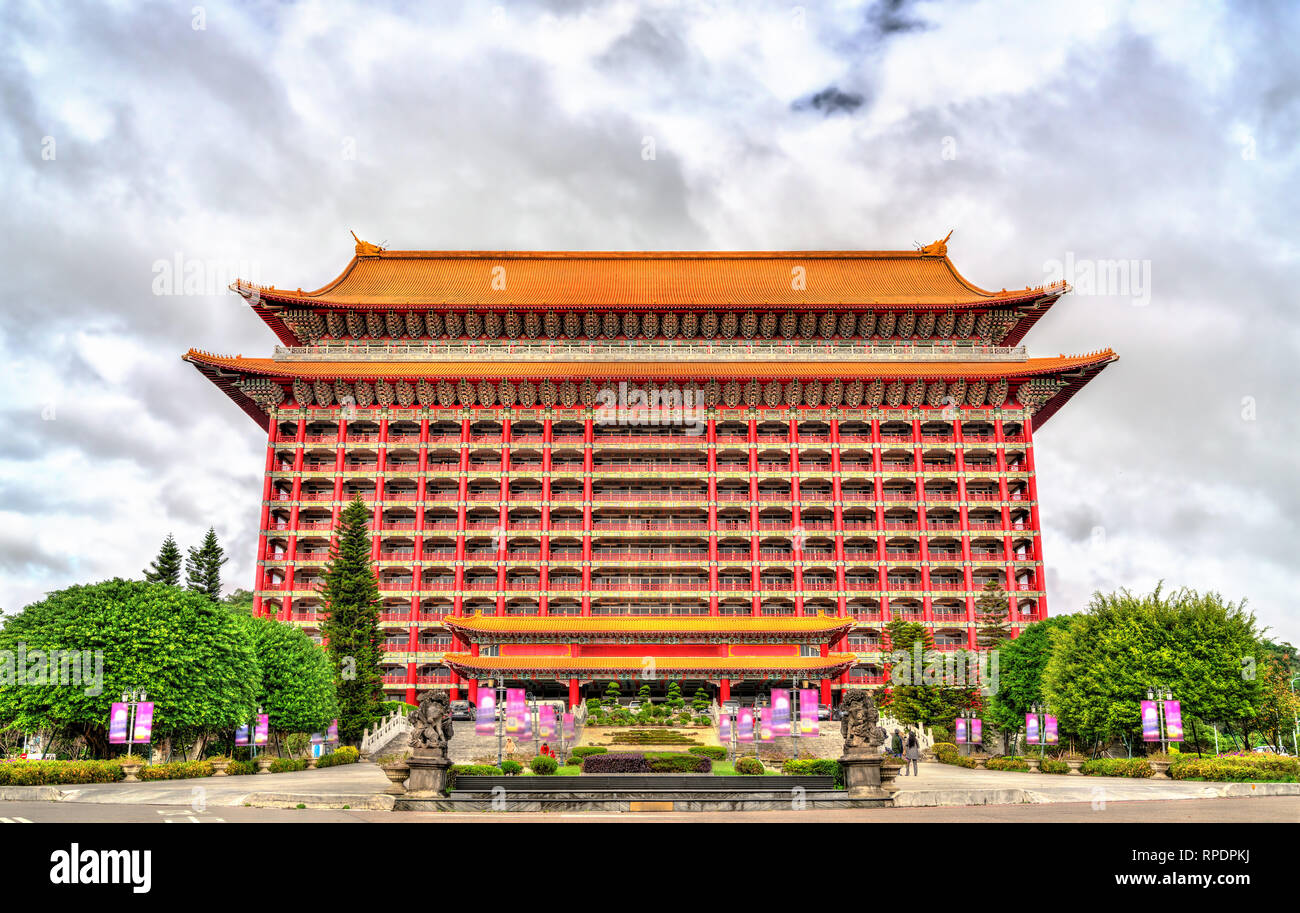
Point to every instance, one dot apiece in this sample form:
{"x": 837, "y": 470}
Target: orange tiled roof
{"x": 566, "y": 625}
{"x": 268, "y": 367}
{"x": 584, "y": 665}
{"x": 647, "y": 279}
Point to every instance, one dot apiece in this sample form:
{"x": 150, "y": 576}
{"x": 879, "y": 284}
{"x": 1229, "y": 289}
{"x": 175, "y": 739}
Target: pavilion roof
{"x": 820, "y": 666}
{"x": 817, "y": 627}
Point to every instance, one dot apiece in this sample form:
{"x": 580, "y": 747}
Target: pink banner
{"x": 724, "y": 728}
{"x": 809, "y": 721}
{"x": 1150, "y": 722}
{"x": 780, "y": 715}
{"x": 485, "y": 715}
{"x": 570, "y": 726}
{"x": 118, "y": 716}
{"x": 332, "y": 734}
{"x": 977, "y": 731}
{"x": 262, "y": 734}
{"x": 960, "y": 725}
{"x": 546, "y": 722}
{"x": 745, "y": 725}
{"x": 242, "y": 735}
{"x": 765, "y": 724}
{"x": 1174, "y": 721}
{"x": 1031, "y": 728}
{"x": 516, "y": 713}
{"x": 1049, "y": 731}
{"x": 143, "y": 722}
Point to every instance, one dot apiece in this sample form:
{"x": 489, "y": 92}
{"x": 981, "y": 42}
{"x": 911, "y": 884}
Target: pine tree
{"x": 351, "y": 624}
{"x": 203, "y": 567}
{"x": 992, "y": 616}
{"x": 166, "y": 568}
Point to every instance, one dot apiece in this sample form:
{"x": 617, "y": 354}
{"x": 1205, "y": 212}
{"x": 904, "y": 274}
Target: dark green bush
{"x": 750, "y": 767}
{"x": 587, "y": 750}
{"x": 712, "y": 752}
{"x": 676, "y": 762}
{"x": 1117, "y": 767}
{"x": 543, "y": 765}
{"x": 511, "y": 768}
{"x": 287, "y": 765}
{"x": 815, "y": 767}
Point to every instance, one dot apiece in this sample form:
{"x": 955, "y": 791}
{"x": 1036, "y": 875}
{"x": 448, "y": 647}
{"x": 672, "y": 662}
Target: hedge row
{"x": 815, "y": 767}
{"x": 1237, "y": 768}
{"x": 712, "y": 752}
{"x": 750, "y": 767}
{"x": 177, "y": 770}
{"x": 946, "y": 753}
{"x": 635, "y": 762}
{"x": 46, "y": 773}
{"x": 287, "y": 765}
{"x": 343, "y": 755}
{"x": 1008, "y": 763}
{"x": 1118, "y": 767}
{"x": 587, "y": 750}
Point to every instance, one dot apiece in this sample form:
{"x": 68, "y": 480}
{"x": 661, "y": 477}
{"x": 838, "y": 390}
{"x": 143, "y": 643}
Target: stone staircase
{"x": 389, "y": 736}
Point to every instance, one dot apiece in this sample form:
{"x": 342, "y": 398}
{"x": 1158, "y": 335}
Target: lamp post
{"x": 133, "y": 699}
{"x": 969, "y": 715}
{"x": 1040, "y": 712}
{"x": 1159, "y": 696}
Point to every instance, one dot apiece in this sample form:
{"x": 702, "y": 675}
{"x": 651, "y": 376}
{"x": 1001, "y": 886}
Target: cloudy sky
{"x": 249, "y": 138}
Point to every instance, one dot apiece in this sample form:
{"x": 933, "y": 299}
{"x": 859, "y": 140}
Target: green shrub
{"x": 345, "y": 754}
{"x": 676, "y": 762}
{"x": 585, "y": 751}
{"x": 750, "y": 767}
{"x": 947, "y": 753}
{"x": 815, "y": 767}
{"x": 47, "y": 773}
{"x": 471, "y": 770}
{"x": 1008, "y": 763}
{"x": 1054, "y": 766}
{"x": 241, "y": 768}
{"x": 288, "y": 765}
{"x": 543, "y": 766}
{"x": 177, "y": 770}
{"x": 713, "y": 752}
{"x": 1237, "y": 768}
{"x": 1117, "y": 767}
{"x": 511, "y": 768}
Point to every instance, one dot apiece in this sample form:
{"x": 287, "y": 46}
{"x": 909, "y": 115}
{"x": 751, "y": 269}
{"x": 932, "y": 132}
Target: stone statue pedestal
{"x": 862, "y": 776}
{"x": 428, "y": 774}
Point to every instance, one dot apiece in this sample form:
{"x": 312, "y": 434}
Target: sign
{"x": 724, "y": 728}
{"x": 1150, "y": 722}
{"x": 1031, "y": 728}
{"x": 960, "y": 737}
{"x": 546, "y": 722}
{"x": 241, "y": 735}
{"x": 1174, "y": 721}
{"x": 485, "y": 715}
{"x": 765, "y": 726}
{"x": 809, "y": 719}
{"x": 1049, "y": 731}
{"x": 977, "y": 731}
{"x": 745, "y": 725}
{"x": 261, "y": 735}
{"x": 516, "y": 712}
{"x": 118, "y": 715}
{"x": 318, "y": 738}
{"x": 570, "y": 727}
{"x": 780, "y": 714}
{"x": 332, "y": 734}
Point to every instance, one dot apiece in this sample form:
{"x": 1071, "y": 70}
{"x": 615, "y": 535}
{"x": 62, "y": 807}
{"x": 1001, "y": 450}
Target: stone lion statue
{"x": 858, "y": 723}
{"x": 431, "y": 723}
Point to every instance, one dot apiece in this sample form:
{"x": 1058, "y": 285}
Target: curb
{"x": 376, "y": 802}
{"x": 31, "y": 794}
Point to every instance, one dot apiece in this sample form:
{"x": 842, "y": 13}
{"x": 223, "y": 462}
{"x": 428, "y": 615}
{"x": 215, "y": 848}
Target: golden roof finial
{"x": 365, "y": 248}
{"x": 938, "y": 248}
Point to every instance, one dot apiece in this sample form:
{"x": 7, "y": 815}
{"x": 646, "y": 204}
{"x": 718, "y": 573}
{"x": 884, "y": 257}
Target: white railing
{"x": 382, "y": 734}
{"x": 735, "y": 350}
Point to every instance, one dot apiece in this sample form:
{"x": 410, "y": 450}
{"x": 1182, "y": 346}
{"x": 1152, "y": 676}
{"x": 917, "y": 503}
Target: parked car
{"x": 634, "y": 706}
{"x": 823, "y": 711}
{"x": 462, "y": 710}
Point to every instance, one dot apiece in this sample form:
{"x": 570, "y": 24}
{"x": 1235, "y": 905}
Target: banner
{"x": 1150, "y": 722}
{"x": 1049, "y": 731}
{"x": 780, "y": 714}
{"x": 241, "y": 735}
{"x": 765, "y": 724}
{"x": 1031, "y": 728}
{"x": 485, "y": 715}
{"x": 546, "y": 722}
{"x": 745, "y": 725}
{"x": 809, "y": 703}
{"x": 262, "y": 734}
{"x": 724, "y": 728}
{"x": 570, "y": 727}
{"x": 976, "y": 731}
{"x": 143, "y": 722}
{"x": 318, "y": 738}
{"x": 1174, "y": 721}
{"x": 960, "y": 737}
{"x": 515, "y": 712}
{"x": 117, "y": 720}
{"x": 332, "y": 733}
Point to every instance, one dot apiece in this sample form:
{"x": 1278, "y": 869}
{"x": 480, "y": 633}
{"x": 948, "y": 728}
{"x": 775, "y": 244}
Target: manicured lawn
{"x": 728, "y": 769}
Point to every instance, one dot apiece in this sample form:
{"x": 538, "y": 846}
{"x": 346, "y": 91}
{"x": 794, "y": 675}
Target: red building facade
{"x": 728, "y": 469}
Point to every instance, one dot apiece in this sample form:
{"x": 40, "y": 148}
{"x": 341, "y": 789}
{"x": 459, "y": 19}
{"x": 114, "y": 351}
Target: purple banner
{"x": 780, "y": 715}
{"x": 809, "y": 701}
{"x": 262, "y": 734}
{"x": 1150, "y": 722}
{"x": 570, "y": 726}
{"x": 332, "y": 733}
{"x": 143, "y": 722}
{"x": 724, "y": 728}
{"x": 1174, "y": 721}
{"x": 317, "y": 738}
{"x": 546, "y": 722}
{"x": 1049, "y": 731}
{"x": 516, "y": 713}
{"x": 485, "y": 715}
{"x": 1031, "y": 728}
{"x": 977, "y": 731}
{"x": 118, "y": 715}
{"x": 241, "y": 735}
{"x": 745, "y": 725}
{"x": 960, "y": 736}
{"x": 765, "y": 724}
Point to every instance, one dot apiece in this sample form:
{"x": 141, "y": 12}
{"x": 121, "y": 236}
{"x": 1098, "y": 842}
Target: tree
{"x": 701, "y": 702}
{"x": 297, "y": 684}
{"x": 188, "y": 654}
{"x": 203, "y": 567}
{"x": 166, "y": 568}
{"x": 1020, "y": 672}
{"x": 1191, "y": 644}
{"x": 909, "y": 698}
{"x": 612, "y": 695}
{"x": 1277, "y": 707}
{"x": 240, "y": 601}
{"x": 351, "y": 624}
{"x": 992, "y": 616}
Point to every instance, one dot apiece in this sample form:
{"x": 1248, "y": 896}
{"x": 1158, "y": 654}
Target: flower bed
{"x": 1266, "y": 768}
{"x": 1007, "y": 763}
{"x": 344, "y": 755}
{"x": 1118, "y": 767}
{"x": 49, "y": 773}
{"x": 946, "y": 753}
{"x": 177, "y": 770}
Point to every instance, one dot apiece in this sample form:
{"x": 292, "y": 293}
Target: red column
{"x": 724, "y": 690}
{"x": 381, "y": 469}
{"x": 796, "y": 519}
{"x": 268, "y": 489}
{"x": 927, "y": 611}
{"x": 573, "y": 693}
{"x": 544, "y": 567}
{"x": 462, "y": 496}
{"x": 878, "y": 517}
{"x": 339, "y": 453}
{"x": 503, "y": 515}
{"x": 712, "y": 432}
{"x": 959, "y": 449}
{"x": 837, "y": 500}
{"x": 588, "y": 439}
{"x": 1040, "y": 576}
{"x": 755, "y": 567}
{"x": 1008, "y": 554}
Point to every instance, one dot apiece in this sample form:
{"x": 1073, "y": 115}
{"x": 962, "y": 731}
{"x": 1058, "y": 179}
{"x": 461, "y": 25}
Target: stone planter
{"x": 1076, "y": 767}
{"x": 888, "y": 776}
{"x": 264, "y": 765}
{"x": 132, "y": 771}
{"x": 219, "y": 766}
{"x": 397, "y": 772}
{"x": 1161, "y": 769}
{"x": 981, "y": 762}
{"x": 312, "y": 763}
{"x": 1034, "y": 767}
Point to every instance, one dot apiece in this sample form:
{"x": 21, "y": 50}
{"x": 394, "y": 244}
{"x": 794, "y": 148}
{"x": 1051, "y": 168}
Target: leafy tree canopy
{"x": 297, "y": 685}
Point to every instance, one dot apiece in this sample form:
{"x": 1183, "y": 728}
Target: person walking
{"x": 912, "y": 755}
{"x": 896, "y": 744}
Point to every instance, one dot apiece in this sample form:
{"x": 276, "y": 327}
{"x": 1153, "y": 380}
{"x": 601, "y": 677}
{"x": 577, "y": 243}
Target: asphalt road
{"x": 1282, "y": 809}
